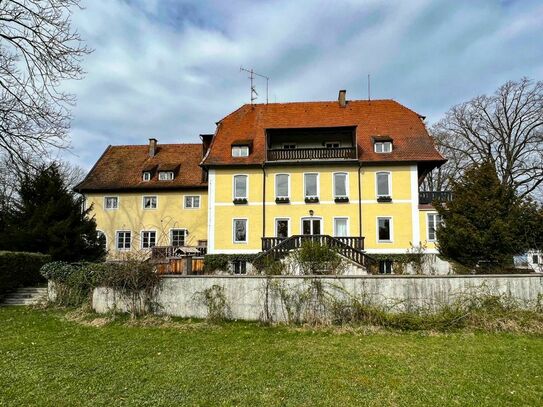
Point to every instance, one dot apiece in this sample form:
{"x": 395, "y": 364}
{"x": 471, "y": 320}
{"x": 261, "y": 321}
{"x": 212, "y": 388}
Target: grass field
{"x": 47, "y": 359}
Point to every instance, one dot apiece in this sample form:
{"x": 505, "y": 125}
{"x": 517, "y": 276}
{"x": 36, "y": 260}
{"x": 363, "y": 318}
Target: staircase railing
{"x": 283, "y": 248}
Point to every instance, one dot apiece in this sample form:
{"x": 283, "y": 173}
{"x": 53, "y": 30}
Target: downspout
{"x": 263, "y": 201}
{"x": 359, "y": 201}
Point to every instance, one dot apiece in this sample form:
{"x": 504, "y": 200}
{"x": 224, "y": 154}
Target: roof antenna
{"x": 369, "y": 84}
{"x": 254, "y": 93}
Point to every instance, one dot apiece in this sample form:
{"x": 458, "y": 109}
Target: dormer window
{"x": 289, "y": 146}
{"x": 146, "y": 175}
{"x": 240, "y": 151}
{"x": 383, "y": 146}
{"x": 165, "y": 175}
{"x": 332, "y": 144}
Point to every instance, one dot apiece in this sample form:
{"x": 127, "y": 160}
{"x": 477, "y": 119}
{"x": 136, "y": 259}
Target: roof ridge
{"x": 317, "y": 101}
{"x": 158, "y": 145}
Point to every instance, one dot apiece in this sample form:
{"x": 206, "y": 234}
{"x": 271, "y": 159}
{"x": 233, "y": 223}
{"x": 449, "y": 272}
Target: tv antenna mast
{"x": 254, "y": 93}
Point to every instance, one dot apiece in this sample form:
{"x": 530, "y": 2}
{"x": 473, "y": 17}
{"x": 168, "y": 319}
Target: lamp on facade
{"x": 311, "y": 212}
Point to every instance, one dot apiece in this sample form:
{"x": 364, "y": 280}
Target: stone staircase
{"x": 25, "y": 296}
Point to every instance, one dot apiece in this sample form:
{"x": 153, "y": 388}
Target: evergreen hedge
{"x": 20, "y": 269}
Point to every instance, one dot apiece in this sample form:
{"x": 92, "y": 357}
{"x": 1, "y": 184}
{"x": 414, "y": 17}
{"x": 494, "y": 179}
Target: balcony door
{"x": 311, "y": 226}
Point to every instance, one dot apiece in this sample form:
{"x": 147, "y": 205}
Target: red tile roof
{"x": 121, "y": 168}
{"x": 411, "y": 141}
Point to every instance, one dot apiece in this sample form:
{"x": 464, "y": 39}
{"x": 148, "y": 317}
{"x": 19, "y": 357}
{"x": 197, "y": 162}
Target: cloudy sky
{"x": 170, "y": 68}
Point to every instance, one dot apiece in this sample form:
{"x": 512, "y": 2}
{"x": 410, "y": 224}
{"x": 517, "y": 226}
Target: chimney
{"x": 152, "y": 147}
{"x": 341, "y": 98}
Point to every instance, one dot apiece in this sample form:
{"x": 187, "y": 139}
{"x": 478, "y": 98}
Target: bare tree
{"x": 38, "y": 50}
{"x": 505, "y": 128}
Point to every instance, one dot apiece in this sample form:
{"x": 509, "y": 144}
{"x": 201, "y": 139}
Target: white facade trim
{"x": 237, "y": 251}
{"x": 211, "y": 211}
{"x": 352, "y": 202}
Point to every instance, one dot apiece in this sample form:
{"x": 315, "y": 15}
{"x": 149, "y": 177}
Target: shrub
{"x": 214, "y": 262}
{"x": 314, "y": 258}
{"x": 214, "y": 299}
{"x": 19, "y": 269}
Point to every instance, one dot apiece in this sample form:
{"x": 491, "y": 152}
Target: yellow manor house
{"x": 345, "y": 172}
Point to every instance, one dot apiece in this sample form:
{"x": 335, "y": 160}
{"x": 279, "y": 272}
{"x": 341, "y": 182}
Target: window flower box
{"x": 341, "y": 199}
{"x": 282, "y": 200}
{"x": 384, "y": 199}
{"x": 311, "y": 199}
{"x": 240, "y": 201}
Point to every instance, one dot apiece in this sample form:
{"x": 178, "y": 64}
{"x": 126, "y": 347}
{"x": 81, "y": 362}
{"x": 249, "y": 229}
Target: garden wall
{"x": 246, "y": 296}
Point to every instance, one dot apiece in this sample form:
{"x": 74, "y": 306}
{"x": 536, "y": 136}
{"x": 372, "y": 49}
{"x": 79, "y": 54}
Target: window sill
{"x": 341, "y": 199}
{"x": 384, "y": 199}
{"x": 312, "y": 200}
{"x": 282, "y": 200}
{"x": 385, "y": 241}
{"x": 240, "y": 201}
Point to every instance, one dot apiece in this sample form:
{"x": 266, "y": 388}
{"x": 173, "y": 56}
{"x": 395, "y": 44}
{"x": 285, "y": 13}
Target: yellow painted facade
{"x": 130, "y": 215}
{"x": 403, "y": 210}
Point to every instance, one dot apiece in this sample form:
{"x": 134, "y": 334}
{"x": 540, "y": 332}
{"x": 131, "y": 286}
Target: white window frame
{"x": 192, "y": 196}
{"x": 149, "y": 196}
{"x": 348, "y": 225}
{"x": 170, "y": 176}
{"x": 332, "y": 142}
{"x": 319, "y": 218}
{"x": 117, "y": 240}
{"x": 246, "y": 231}
{"x": 146, "y": 175}
{"x": 391, "y": 223}
{"x": 389, "y": 175}
{"x": 434, "y": 214}
{"x": 346, "y": 184}
{"x": 237, "y": 151}
{"x": 142, "y": 240}
{"x": 318, "y": 185}
{"x": 288, "y": 226}
{"x": 288, "y": 185}
{"x": 382, "y": 144}
{"x": 234, "y": 186}
{"x": 170, "y": 235}
{"x": 105, "y": 202}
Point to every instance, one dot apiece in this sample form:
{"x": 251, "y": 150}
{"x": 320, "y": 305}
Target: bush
{"x": 20, "y": 269}
{"x": 214, "y": 262}
{"x": 314, "y": 258}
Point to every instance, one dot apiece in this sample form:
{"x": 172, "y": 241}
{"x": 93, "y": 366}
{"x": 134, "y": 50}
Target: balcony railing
{"x": 165, "y": 252}
{"x": 355, "y": 242}
{"x": 427, "y": 197}
{"x": 299, "y": 154}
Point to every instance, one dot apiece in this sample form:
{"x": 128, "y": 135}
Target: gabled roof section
{"x": 122, "y": 167}
{"x": 375, "y": 118}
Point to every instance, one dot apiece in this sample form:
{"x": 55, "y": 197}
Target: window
{"x": 177, "y": 237}
{"x": 311, "y": 226}
{"x": 240, "y": 151}
{"x": 384, "y": 229}
{"x": 281, "y": 228}
{"x": 148, "y": 239}
{"x": 535, "y": 259}
{"x": 383, "y": 146}
{"x": 340, "y": 184}
{"x": 146, "y": 176}
{"x": 149, "y": 202}
{"x": 383, "y": 184}
{"x": 124, "y": 240}
{"x": 289, "y": 146}
{"x": 434, "y": 220}
{"x": 239, "y": 266}
{"x": 165, "y": 175}
{"x": 340, "y": 227}
{"x": 385, "y": 266}
{"x": 281, "y": 186}
{"x": 311, "y": 185}
{"x": 111, "y": 202}
{"x": 240, "y": 230}
{"x": 101, "y": 236}
{"x": 240, "y": 186}
{"x": 332, "y": 144}
{"x": 192, "y": 201}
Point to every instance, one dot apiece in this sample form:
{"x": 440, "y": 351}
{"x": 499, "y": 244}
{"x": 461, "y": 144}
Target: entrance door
{"x": 311, "y": 226}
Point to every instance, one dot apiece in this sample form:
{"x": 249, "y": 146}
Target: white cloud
{"x": 170, "y": 69}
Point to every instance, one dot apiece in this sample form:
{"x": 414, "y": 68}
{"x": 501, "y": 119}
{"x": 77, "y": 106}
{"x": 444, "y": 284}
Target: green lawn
{"x": 48, "y": 360}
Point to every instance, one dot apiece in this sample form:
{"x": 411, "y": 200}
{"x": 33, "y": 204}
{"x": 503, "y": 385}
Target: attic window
{"x": 146, "y": 175}
{"x": 383, "y": 146}
{"x": 165, "y": 175}
{"x": 240, "y": 151}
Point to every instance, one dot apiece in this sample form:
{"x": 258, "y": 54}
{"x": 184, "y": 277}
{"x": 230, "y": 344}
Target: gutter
{"x": 263, "y": 200}
{"x": 359, "y": 201}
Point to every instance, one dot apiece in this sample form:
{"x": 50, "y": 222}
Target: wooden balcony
{"x": 303, "y": 154}
{"x": 356, "y": 242}
{"x": 168, "y": 252}
{"x": 427, "y": 197}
